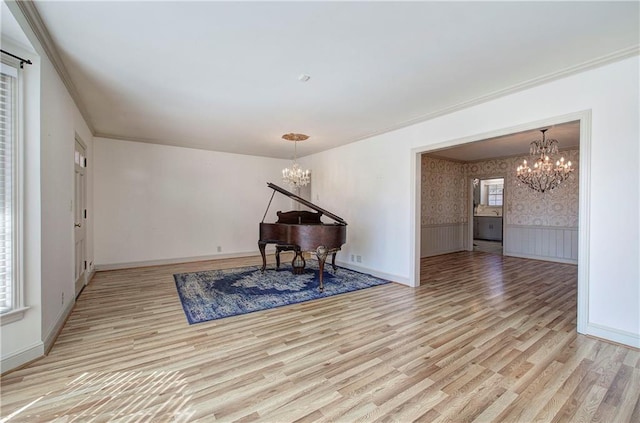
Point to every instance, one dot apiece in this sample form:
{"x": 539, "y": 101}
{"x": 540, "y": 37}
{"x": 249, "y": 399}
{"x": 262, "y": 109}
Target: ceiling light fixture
{"x": 544, "y": 176}
{"x": 296, "y": 177}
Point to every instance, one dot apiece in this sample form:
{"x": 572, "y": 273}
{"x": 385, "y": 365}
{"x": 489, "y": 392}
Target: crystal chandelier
{"x": 296, "y": 177}
{"x": 544, "y": 176}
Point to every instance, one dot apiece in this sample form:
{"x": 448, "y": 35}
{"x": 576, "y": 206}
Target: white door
{"x": 80, "y": 216}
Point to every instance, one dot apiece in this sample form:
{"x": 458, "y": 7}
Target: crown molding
{"x": 32, "y": 16}
{"x": 572, "y": 70}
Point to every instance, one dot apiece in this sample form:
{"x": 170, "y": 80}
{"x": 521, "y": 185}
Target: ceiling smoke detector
{"x": 304, "y": 77}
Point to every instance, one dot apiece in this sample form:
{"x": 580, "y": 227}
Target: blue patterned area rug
{"x": 216, "y": 294}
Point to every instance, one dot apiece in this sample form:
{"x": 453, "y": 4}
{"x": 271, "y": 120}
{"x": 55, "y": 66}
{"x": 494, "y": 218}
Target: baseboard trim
{"x": 387, "y": 276}
{"x": 147, "y": 263}
{"x": 118, "y": 266}
{"x": 441, "y": 252}
{"x": 57, "y": 328}
{"x": 543, "y": 258}
{"x": 613, "y": 335}
{"x": 92, "y": 273}
{"x": 21, "y": 358}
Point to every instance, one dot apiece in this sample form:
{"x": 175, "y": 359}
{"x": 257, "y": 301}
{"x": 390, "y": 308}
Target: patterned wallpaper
{"x": 445, "y": 188}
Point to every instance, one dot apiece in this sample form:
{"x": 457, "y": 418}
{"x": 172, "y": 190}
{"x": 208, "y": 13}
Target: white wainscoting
{"x": 443, "y": 238}
{"x": 551, "y": 243}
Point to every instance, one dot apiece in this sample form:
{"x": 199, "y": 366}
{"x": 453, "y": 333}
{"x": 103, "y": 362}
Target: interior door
{"x": 80, "y": 216}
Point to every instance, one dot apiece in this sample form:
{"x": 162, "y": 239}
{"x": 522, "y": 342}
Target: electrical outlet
{"x": 63, "y": 298}
{"x": 359, "y": 259}
{"x": 352, "y": 258}
{"x": 219, "y": 248}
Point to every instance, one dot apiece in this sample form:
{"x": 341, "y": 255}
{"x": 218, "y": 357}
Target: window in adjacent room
{"x": 495, "y": 195}
{"x": 11, "y": 298}
{"x": 492, "y": 192}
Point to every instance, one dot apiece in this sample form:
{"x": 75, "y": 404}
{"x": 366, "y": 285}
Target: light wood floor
{"x": 485, "y": 338}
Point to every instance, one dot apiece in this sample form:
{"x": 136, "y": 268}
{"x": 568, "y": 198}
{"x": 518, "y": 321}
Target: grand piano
{"x": 301, "y": 231}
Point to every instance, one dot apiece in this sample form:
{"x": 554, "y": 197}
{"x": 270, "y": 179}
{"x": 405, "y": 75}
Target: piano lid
{"x": 306, "y": 203}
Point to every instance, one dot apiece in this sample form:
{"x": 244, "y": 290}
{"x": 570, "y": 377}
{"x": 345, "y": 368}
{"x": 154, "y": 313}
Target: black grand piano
{"x": 301, "y": 231}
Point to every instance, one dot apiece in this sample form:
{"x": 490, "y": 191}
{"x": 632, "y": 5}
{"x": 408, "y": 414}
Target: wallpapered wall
{"x": 445, "y": 192}
{"x": 444, "y": 187}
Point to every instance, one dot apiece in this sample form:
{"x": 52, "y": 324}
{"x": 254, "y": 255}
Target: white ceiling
{"x": 224, "y": 75}
{"x": 10, "y": 27}
{"x": 517, "y": 144}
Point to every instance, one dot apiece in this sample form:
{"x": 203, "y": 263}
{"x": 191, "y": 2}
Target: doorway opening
{"x": 519, "y": 221}
{"x": 488, "y": 207}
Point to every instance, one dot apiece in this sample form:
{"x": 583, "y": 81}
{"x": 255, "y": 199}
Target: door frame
{"x": 584, "y": 117}
{"x": 78, "y": 140}
{"x": 470, "y": 215}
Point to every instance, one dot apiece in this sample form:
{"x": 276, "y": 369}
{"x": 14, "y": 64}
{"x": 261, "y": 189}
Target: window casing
{"x": 11, "y": 207}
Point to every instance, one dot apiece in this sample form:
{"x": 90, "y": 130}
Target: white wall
{"x": 366, "y": 183}
{"x": 372, "y": 185}
{"x": 60, "y": 122}
{"x": 52, "y": 122}
{"x": 158, "y": 203}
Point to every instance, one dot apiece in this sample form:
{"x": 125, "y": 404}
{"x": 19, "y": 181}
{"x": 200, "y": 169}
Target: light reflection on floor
{"x": 492, "y": 247}
{"x": 141, "y": 397}
{"x": 493, "y": 268}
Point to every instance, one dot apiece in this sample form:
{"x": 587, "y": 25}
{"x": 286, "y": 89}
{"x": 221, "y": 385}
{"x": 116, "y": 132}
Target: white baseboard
{"x": 132, "y": 264}
{"x": 51, "y": 336}
{"x": 387, "y": 276}
{"x": 613, "y": 335}
{"x": 441, "y": 252}
{"x": 543, "y": 258}
{"x": 20, "y": 358}
{"x": 92, "y": 273}
{"x": 116, "y": 266}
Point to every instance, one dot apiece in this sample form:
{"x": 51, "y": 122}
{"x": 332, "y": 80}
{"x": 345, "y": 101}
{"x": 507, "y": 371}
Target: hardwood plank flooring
{"x": 485, "y": 338}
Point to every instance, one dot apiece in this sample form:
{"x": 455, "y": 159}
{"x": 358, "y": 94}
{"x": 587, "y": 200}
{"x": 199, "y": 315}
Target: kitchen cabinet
{"x": 487, "y": 227}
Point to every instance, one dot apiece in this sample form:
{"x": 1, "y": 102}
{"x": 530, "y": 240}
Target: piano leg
{"x": 321, "y": 253}
{"x": 333, "y": 262}
{"x": 261, "y": 246}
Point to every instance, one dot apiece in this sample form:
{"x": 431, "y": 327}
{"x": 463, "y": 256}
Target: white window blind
{"x": 8, "y": 84}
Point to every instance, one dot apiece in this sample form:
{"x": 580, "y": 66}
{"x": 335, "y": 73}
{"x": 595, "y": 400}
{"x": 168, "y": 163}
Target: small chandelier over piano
{"x": 544, "y": 176}
{"x": 295, "y": 176}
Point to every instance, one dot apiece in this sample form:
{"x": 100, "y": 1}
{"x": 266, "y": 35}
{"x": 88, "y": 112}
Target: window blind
{"x": 8, "y": 77}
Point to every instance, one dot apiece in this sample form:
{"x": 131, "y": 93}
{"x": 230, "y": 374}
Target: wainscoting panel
{"x": 443, "y": 238}
{"x": 542, "y": 242}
